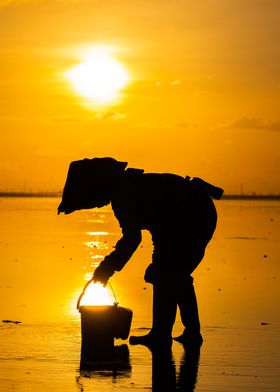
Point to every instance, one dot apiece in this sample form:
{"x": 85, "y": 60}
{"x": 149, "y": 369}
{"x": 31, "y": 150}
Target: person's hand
{"x": 103, "y": 272}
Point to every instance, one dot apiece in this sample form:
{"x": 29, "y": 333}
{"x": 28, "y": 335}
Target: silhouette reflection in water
{"x": 164, "y": 370}
{"x": 188, "y": 370}
{"x": 113, "y": 363}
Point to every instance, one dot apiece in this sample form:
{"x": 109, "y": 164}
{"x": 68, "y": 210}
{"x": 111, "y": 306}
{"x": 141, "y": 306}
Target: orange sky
{"x": 203, "y": 96}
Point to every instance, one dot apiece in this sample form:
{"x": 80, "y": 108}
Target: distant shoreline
{"x": 251, "y": 197}
{"x": 58, "y": 194}
{"x": 30, "y": 194}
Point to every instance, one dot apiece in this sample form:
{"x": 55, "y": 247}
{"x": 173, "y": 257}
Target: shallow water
{"x": 45, "y": 259}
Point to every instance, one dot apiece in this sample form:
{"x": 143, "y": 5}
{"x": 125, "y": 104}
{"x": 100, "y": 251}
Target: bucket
{"x": 100, "y": 324}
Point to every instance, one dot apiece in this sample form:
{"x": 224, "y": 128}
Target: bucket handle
{"x": 82, "y": 293}
{"x": 84, "y": 289}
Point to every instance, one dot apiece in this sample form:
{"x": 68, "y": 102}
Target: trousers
{"x": 166, "y": 298}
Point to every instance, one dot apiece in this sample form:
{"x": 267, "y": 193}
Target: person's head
{"x": 90, "y": 183}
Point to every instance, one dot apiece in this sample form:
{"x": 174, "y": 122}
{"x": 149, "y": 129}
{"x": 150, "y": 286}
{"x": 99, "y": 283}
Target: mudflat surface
{"x": 46, "y": 258}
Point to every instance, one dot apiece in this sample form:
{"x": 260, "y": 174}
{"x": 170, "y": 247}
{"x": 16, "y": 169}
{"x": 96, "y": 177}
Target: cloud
{"x": 105, "y": 115}
{"x": 175, "y": 82}
{"x": 186, "y": 124}
{"x": 109, "y": 116}
{"x": 66, "y": 120}
{"x": 252, "y": 123}
{"x": 172, "y": 83}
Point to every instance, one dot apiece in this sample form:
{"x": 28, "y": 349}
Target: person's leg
{"x": 164, "y": 309}
{"x": 187, "y": 303}
{"x": 164, "y": 314}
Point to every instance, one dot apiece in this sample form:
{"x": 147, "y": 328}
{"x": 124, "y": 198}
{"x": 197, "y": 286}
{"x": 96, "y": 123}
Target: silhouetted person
{"x": 179, "y": 214}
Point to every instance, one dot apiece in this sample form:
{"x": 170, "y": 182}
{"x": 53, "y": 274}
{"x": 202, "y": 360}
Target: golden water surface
{"x": 46, "y": 258}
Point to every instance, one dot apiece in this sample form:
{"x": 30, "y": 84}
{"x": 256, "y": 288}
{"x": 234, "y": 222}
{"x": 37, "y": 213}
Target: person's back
{"x": 167, "y": 205}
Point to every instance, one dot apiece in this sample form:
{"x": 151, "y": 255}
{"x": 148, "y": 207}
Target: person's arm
{"x": 117, "y": 259}
{"x": 125, "y": 247}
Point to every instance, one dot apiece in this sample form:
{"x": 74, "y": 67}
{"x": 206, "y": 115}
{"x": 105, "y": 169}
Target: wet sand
{"x": 45, "y": 259}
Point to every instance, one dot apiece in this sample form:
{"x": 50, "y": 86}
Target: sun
{"x": 100, "y": 77}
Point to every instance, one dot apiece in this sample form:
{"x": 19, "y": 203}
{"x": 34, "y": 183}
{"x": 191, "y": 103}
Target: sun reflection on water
{"x": 97, "y": 233}
{"x": 97, "y": 244}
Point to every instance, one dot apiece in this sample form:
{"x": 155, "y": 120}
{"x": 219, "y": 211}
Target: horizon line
{"x": 59, "y": 193}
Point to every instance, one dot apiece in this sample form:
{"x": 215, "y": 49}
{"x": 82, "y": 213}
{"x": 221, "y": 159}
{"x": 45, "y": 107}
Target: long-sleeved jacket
{"x": 180, "y": 217}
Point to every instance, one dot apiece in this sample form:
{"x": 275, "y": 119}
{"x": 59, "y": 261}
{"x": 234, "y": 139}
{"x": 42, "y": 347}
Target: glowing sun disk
{"x": 99, "y": 77}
